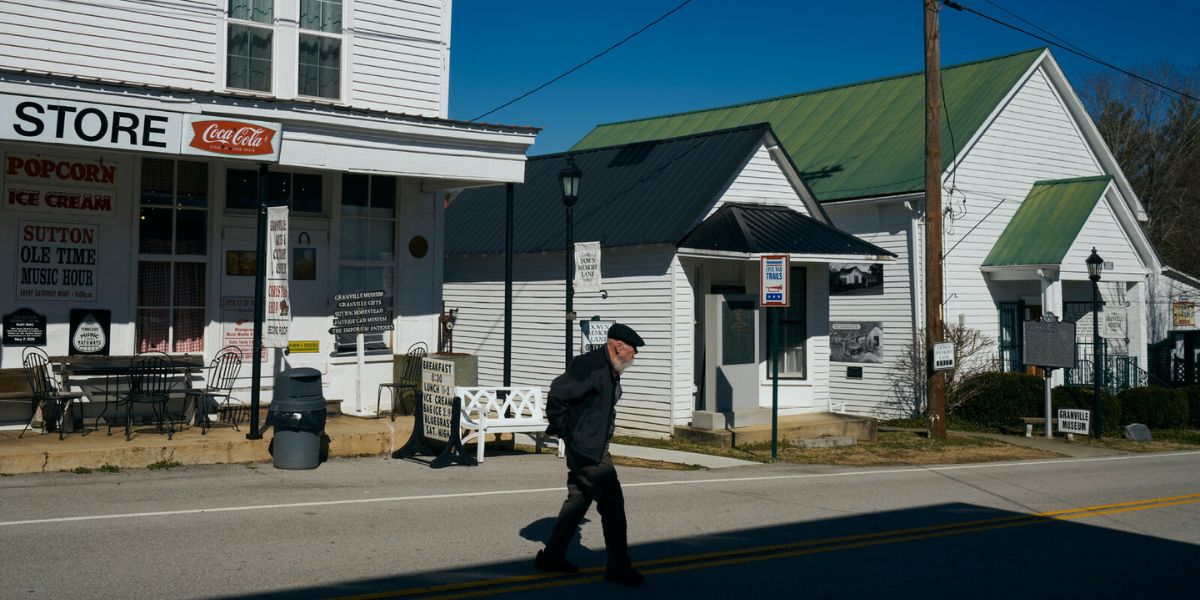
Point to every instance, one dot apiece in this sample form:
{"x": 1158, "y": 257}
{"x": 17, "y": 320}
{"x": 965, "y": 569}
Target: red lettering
{"x": 14, "y": 164}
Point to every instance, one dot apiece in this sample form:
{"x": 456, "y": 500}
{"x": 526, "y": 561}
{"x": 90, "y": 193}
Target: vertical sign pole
{"x": 1049, "y": 415}
{"x": 260, "y": 301}
{"x": 508, "y": 282}
{"x": 773, "y": 319}
{"x": 360, "y": 348}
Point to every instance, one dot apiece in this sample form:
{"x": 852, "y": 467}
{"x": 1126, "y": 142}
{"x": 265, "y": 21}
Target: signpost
{"x": 360, "y": 313}
{"x": 594, "y": 334}
{"x": 437, "y": 414}
{"x": 774, "y": 292}
{"x": 1049, "y": 344}
{"x": 943, "y": 356}
{"x": 1074, "y": 420}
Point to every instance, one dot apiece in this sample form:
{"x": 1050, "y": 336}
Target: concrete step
{"x": 792, "y": 428}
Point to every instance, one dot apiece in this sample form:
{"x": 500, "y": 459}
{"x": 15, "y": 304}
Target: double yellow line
{"x": 485, "y": 587}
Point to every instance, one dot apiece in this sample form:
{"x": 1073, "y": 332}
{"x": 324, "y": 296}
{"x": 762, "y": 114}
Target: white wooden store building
{"x": 1029, "y": 188}
{"x": 681, "y": 224}
{"x": 132, "y": 134}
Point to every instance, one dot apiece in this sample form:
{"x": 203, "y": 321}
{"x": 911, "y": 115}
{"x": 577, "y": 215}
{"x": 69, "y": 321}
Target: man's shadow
{"x": 539, "y": 531}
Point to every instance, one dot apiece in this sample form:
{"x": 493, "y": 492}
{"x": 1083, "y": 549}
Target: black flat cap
{"x": 625, "y": 334}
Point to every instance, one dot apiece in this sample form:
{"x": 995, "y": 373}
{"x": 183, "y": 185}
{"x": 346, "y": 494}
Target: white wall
{"x": 640, "y": 283}
{"x": 396, "y": 53}
{"x": 761, "y": 182}
{"x": 887, "y": 225}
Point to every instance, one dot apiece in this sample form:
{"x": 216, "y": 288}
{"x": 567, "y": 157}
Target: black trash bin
{"x": 297, "y": 413}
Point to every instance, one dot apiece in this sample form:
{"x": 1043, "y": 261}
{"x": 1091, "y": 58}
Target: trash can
{"x": 297, "y": 413}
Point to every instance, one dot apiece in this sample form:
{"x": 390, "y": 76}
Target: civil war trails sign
{"x": 362, "y": 312}
{"x": 437, "y": 415}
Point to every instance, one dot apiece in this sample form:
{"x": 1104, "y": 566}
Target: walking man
{"x": 582, "y": 411}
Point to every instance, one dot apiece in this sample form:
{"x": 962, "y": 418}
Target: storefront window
{"x": 793, "y": 327}
{"x": 173, "y": 248}
{"x": 301, "y": 192}
{"x": 368, "y": 240}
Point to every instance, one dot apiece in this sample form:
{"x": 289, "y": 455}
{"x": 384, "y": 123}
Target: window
{"x": 301, "y": 192}
{"x": 368, "y": 242}
{"x": 320, "y": 48}
{"x": 250, "y": 44}
{"x": 793, "y": 327}
{"x": 172, "y": 255}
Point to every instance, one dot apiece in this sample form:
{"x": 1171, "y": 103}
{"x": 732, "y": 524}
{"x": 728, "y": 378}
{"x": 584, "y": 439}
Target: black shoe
{"x": 624, "y": 576}
{"x": 544, "y": 562}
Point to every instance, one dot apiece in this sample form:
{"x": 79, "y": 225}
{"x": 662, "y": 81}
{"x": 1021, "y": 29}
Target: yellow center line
{"x": 471, "y": 589}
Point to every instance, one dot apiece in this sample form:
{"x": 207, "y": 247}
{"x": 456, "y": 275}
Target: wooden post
{"x": 933, "y": 217}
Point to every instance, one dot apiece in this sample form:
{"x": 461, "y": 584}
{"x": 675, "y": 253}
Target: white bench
{"x": 522, "y": 410}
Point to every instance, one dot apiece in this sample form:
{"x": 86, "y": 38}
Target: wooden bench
{"x": 503, "y": 410}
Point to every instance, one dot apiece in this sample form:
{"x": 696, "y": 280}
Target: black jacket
{"x": 581, "y": 406}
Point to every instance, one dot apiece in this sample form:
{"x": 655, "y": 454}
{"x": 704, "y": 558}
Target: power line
{"x": 959, "y": 7}
{"x": 585, "y": 63}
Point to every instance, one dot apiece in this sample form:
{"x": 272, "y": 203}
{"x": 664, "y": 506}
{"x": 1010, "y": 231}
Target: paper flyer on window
{"x": 279, "y": 310}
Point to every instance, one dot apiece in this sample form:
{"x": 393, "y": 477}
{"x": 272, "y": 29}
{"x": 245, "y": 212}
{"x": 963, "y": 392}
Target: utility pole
{"x": 933, "y": 219}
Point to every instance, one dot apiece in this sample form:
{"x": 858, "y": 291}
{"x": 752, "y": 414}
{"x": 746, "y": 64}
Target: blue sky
{"x": 719, "y": 52}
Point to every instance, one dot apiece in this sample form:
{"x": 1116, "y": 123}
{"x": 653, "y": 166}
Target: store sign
{"x": 1183, "y": 314}
{"x": 206, "y": 136}
{"x": 361, "y": 312}
{"x": 594, "y": 334}
{"x": 24, "y": 327}
{"x": 90, "y": 332}
{"x": 59, "y": 121}
{"x": 304, "y": 346}
{"x": 60, "y": 187}
{"x": 57, "y": 261}
{"x": 437, "y": 398}
{"x": 279, "y": 312}
{"x": 237, "y": 325}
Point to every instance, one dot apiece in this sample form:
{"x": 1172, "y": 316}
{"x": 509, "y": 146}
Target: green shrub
{"x": 1154, "y": 407}
{"x": 999, "y": 400}
{"x": 1085, "y": 398}
{"x": 1193, "y": 395}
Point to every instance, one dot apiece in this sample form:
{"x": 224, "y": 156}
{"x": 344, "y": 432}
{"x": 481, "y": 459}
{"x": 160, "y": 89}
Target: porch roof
{"x": 768, "y": 229}
{"x": 1047, "y": 223}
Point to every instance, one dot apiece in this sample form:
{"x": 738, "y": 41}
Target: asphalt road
{"x": 1103, "y": 527}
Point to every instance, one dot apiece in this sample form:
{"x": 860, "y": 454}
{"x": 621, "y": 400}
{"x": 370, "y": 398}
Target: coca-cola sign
{"x": 233, "y": 139}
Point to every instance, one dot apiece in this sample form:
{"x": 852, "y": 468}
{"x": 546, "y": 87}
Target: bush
{"x": 999, "y": 400}
{"x": 1085, "y": 398}
{"x": 1193, "y": 395}
{"x": 1155, "y": 407}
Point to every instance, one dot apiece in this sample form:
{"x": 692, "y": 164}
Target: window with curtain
{"x": 320, "y": 45}
{"x": 368, "y": 242}
{"x": 172, "y": 255}
{"x": 793, "y": 328}
{"x": 250, "y": 44}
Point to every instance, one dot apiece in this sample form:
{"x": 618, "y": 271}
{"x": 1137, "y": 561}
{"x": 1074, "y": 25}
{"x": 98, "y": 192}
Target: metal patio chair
{"x": 55, "y": 403}
{"x": 215, "y": 397}
{"x": 410, "y": 379}
{"x": 151, "y": 380}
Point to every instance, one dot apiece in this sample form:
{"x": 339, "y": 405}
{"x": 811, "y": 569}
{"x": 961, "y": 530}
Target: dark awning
{"x": 744, "y": 230}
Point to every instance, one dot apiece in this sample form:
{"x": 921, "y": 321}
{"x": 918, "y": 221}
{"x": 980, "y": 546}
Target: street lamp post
{"x": 569, "y": 178}
{"x": 1094, "y": 265}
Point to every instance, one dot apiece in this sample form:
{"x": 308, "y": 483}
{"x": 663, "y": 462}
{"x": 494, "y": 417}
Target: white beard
{"x": 620, "y": 365}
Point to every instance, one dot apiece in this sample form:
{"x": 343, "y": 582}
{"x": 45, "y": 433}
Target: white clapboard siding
{"x": 887, "y": 225}
{"x": 1033, "y": 138}
{"x": 761, "y": 182}
{"x": 401, "y": 54}
{"x": 684, "y": 348}
{"x": 639, "y": 282}
{"x": 165, "y": 42}
{"x": 1103, "y": 232}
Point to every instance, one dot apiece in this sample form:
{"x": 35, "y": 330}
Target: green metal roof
{"x": 855, "y": 141}
{"x": 1047, "y": 222}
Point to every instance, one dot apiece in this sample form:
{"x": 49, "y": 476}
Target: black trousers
{"x": 586, "y": 483}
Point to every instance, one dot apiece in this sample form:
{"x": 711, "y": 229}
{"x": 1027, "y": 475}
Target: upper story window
{"x": 250, "y": 44}
{"x": 320, "y": 45}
